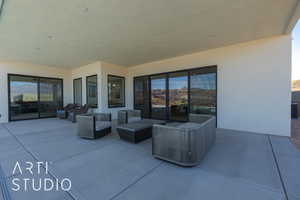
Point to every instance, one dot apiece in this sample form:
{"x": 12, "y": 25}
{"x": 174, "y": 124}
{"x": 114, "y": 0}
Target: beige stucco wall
{"x": 253, "y": 83}
{"x": 33, "y": 70}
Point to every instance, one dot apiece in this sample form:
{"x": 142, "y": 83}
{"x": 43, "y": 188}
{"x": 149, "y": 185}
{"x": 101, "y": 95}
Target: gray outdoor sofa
{"x": 128, "y": 116}
{"x": 184, "y": 144}
{"x": 92, "y": 126}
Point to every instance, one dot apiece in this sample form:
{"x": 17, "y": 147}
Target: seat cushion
{"x": 100, "y": 125}
{"x": 135, "y": 126}
{"x": 153, "y": 121}
{"x": 134, "y": 119}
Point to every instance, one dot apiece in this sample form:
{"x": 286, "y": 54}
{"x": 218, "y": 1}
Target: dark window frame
{"x": 38, "y": 93}
{"x": 74, "y": 89}
{"x": 108, "y": 95}
{"x": 86, "y": 85}
{"x": 204, "y": 70}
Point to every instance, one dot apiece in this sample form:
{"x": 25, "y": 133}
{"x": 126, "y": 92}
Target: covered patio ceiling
{"x": 71, "y": 33}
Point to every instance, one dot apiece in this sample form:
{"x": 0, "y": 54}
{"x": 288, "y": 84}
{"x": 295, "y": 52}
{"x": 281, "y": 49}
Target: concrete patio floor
{"x": 240, "y": 166}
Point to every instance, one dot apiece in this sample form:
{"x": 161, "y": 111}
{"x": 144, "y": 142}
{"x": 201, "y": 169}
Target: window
{"x": 33, "y": 97}
{"x": 141, "y": 95}
{"x": 178, "y": 96}
{"x": 77, "y": 89}
{"x": 91, "y": 91}
{"x": 173, "y": 95}
{"x": 116, "y": 91}
{"x": 203, "y": 93}
{"x": 159, "y": 96}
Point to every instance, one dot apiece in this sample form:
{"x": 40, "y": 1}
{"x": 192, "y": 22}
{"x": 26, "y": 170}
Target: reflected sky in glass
{"x": 203, "y": 81}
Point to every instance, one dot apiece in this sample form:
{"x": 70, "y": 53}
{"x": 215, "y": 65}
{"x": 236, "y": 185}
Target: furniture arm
{"x": 86, "y": 125}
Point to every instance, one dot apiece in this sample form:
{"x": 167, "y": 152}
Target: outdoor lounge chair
{"x": 92, "y": 126}
{"x": 128, "y": 116}
{"x": 63, "y": 114}
{"x": 78, "y": 111}
{"x": 185, "y": 144}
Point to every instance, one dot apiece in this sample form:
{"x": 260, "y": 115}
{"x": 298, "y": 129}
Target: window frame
{"x": 80, "y": 78}
{"x": 204, "y": 70}
{"x": 9, "y": 75}
{"x": 108, "y": 93}
{"x": 86, "y": 87}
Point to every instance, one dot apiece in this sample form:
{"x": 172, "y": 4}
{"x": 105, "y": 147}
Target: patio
{"x": 240, "y": 166}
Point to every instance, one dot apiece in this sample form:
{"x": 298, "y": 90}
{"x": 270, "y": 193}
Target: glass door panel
{"x": 203, "y": 93}
{"x": 158, "y": 97}
{"x": 77, "y": 90}
{"x": 178, "y": 96}
{"x": 23, "y": 97}
{"x": 50, "y": 96}
{"x": 141, "y": 95}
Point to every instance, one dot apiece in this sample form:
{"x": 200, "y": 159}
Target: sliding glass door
{"x": 34, "y": 97}
{"x": 23, "y": 92}
{"x": 173, "y": 95}
{"x": 141, "y": 92}
{"x": 203, "y": 93}
{"x": 159, "y": 97}
{"x": 50, "y": 96}
{"x": 178, "y": 96}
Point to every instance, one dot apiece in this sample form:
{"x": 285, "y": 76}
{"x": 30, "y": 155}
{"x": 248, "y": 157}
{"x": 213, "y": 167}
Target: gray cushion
{"x": 135, "y": 126}
{"x": 134, "y": 119}
{"x": 140, "y": 125}
{"x": 100, "y": 125}
{"x": 153, "y": 121}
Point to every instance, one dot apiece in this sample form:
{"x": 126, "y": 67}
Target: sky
{"x": 296, "y": 53}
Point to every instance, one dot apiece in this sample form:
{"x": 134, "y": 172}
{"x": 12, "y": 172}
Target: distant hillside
{"x": 296, "y": 85}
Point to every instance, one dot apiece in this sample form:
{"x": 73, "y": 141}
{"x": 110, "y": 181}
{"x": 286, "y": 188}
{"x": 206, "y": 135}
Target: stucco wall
{"x": 33, "y": 70}
{"x": 253, "y": 83}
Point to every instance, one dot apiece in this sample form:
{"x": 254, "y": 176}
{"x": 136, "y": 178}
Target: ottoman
{"x": 137, "y": 131}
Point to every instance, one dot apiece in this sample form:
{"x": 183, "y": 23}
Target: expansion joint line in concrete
{"x": 35, "y": 158}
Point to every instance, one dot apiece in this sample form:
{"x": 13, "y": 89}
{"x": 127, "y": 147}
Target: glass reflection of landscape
{"x": 158, "y": 97}
{"x": 178, "y": 96}
{"x": 50, "y": 97}
{"x": 91, "y": 89}
{"x": 203, "y": 93}
{"x": 141, "y": 95}
{"x": 32, "y": 97}
{"x": 173, "y": 95}
{"x": 116, "y": 91}
{"x": 23, "y": 97}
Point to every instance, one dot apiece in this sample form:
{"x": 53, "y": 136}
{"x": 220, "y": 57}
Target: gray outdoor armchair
{"x": 185, "y": 144}
{"x": 92, "y": 126}
{"x": 72, "y": 115}
{"x": 63, "y": 113}
{"x": 128, "y": 116}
